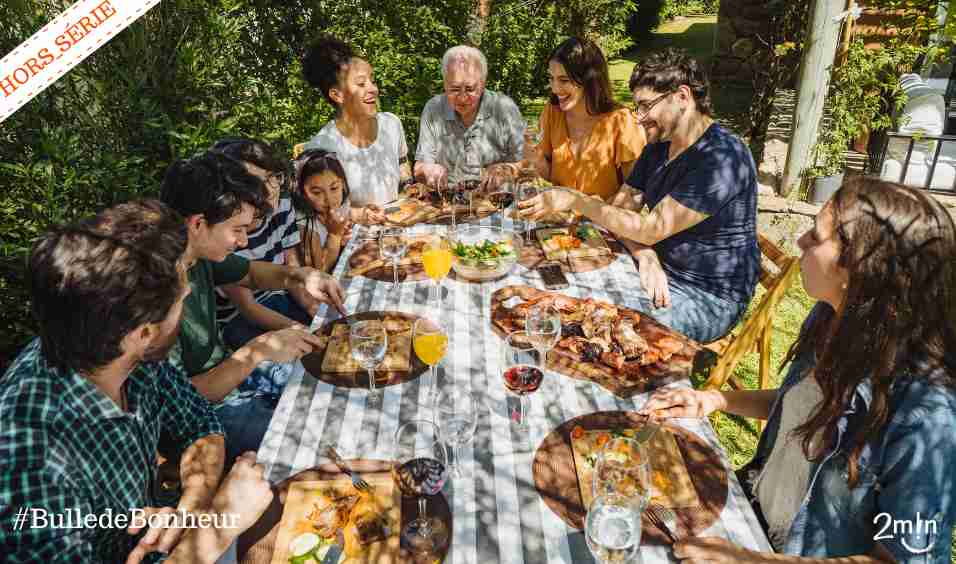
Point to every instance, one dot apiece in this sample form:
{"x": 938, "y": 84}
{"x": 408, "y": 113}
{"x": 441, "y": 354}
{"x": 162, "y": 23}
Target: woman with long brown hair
{"x": 588, "y": 141}
{"x": 862, "y": 432}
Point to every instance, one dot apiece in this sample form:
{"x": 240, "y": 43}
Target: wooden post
{"x": 818, "y": 54}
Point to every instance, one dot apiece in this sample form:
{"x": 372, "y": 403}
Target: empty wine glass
{"x": 522, "y": 375}
{"x": 393, "y": 245}
{"x": 420, "y": 469}
{"x": 612, "y": 529}
{"x": 543, "y": 325}
{"x": 622, "y": 468}
{"x": 457, "y": 418}
{"x": 368, "y": 341}
{"x": 526, "y": 191}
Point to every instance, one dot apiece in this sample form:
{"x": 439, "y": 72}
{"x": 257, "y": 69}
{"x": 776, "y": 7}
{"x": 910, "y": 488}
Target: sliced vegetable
{"x": 304, "y": 544}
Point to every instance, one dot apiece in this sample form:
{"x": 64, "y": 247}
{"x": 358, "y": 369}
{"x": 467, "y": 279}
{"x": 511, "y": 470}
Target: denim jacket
{"x": 906, "y": 493}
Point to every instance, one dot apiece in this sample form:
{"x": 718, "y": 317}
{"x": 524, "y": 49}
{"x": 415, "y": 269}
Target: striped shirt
{"x": 268, "y": 243}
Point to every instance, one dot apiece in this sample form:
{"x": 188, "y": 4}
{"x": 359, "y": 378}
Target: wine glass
{"x": 430, "y": 342}
{"x": 420, "y": 469}
{"x": 543, "y": 325}
{"x": 393, "y": 245}
{"x": 612, "y": 529}
{"x": 522, "y": 375}
{"x": 458, "y": 419}
{"x": 437, "y": 258}
{"x": 526, "y": 191}
{"x": 622, "y": 468}
{"x": 369, "y": 341}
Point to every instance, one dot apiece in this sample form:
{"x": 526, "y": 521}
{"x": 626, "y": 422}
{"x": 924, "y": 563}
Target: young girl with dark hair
{"x": 321, "y": 196}
{"x": 370, "y": 144}
{"x": 863, "y": 428}
{"x": 588, "y": 142}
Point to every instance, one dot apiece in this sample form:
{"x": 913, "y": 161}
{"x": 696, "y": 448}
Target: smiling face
{"x": 464, "y": 87}
{"x": 658, "y": 112}
{"x": 823, "y": 277}
{"x": 216, "y": 242}
{"x": 356, "y": 93}
{"x": 569, "y": 93}
{"x": 324, "y": 192}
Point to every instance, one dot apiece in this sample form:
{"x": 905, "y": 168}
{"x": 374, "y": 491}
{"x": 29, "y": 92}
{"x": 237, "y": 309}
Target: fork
{"x": 664, "y": 519}
{"x": 358, "y": 482}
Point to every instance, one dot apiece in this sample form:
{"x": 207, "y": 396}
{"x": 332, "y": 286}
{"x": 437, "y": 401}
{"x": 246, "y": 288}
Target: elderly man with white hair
{"x": 468, "y": 132}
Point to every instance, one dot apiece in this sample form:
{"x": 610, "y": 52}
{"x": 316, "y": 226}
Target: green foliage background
{"x": 192, "y": 71}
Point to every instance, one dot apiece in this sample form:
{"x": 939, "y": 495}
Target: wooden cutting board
{"x": 338, "y": 355}
{"x": 384, "y": 501}
{"x": 566, "y": 362}
{"x": 315, "y": 363}
{"x": 670, "y": 482}
{"x": 593, "y": 246}
{"x": 556, "y": 480}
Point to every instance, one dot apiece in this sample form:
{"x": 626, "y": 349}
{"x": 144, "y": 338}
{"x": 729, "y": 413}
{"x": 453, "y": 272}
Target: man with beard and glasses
{"x": 697, "y": 247}
{"x": 83, "y": 405}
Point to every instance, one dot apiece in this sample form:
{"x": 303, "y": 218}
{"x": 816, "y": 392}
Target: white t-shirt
{"x": 372, "y": 172}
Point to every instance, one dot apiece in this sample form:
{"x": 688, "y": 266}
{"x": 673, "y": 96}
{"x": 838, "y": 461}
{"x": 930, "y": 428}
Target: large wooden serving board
{"x": 400, "y": 364}
{"x": 568, "y": 363}
{"x": 558, "y": 483}
{"x": 413, "y": 208}
{"x": 261, "y": 543}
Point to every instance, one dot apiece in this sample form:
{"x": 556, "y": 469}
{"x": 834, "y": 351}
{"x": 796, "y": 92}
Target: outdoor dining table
{"x": 497, "y": 514}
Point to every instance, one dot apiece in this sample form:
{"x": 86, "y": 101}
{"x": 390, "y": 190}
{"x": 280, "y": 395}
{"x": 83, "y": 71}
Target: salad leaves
{"x": 487, "y": 251}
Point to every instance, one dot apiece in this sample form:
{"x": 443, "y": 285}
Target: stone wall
{"x": 738, "y": 49}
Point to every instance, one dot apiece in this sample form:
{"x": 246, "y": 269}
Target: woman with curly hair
{"x": 370, "y": 144}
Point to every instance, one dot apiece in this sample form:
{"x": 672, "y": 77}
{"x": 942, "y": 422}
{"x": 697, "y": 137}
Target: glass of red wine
{"x": 522, "y": 375}
{"x": 420, "y": 469}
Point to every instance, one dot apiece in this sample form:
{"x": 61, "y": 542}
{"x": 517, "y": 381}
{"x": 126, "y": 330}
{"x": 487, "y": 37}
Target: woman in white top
{"x": 370, "y": 144}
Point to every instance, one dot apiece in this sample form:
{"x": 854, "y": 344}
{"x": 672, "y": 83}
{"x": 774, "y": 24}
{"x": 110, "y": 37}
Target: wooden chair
{"x": 759, "y": 326}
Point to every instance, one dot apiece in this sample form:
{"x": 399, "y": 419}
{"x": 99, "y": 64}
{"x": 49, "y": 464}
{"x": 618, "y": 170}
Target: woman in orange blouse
{"x": 588, "y": 141}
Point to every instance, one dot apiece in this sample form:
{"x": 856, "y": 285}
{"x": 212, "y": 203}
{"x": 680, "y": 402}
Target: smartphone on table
{"x": 552, "y": 276}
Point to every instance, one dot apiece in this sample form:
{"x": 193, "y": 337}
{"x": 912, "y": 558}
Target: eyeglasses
{"x": 470, "y": 91}
{"x": 644, "y": 108}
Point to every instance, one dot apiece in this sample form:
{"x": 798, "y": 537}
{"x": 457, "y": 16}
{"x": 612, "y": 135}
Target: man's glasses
{"x": 645, "y": 107}
{"x": 470, "y": 91}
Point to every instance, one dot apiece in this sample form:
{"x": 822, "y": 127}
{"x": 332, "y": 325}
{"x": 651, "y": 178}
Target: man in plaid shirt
{"x": 82, "y": 407}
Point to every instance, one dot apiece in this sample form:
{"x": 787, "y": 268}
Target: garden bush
{"x": 192, "y": 71}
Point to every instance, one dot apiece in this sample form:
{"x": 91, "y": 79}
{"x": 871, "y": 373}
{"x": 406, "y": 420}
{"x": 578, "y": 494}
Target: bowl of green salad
{"x": 484, "y": 252}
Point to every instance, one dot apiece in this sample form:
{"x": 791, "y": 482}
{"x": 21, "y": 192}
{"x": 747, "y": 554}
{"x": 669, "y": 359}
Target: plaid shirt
{"x": 67, "y": 448}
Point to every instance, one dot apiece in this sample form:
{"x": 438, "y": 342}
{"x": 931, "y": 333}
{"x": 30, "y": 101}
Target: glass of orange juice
{"x": 430, "y": 342}
{"x": 437, "y": 258}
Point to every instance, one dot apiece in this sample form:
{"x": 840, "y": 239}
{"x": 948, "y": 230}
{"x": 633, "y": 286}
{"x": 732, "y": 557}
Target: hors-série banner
{"x": 62, "y": 44}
